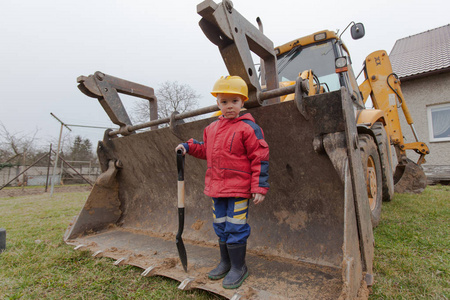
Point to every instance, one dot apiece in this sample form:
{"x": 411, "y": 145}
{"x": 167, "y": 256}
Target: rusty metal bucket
{"x": 305, "y": 236}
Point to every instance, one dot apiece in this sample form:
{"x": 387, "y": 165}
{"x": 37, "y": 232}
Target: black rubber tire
{"x": 387, "y": 175}
{"x": 372, "y": 173}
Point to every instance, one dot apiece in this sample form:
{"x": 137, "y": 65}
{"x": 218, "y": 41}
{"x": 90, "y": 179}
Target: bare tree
{"x": 13, "y": 145}
{"x": 172, "y": 96}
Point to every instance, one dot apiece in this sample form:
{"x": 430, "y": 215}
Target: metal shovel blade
{"x": 179, "y": 241}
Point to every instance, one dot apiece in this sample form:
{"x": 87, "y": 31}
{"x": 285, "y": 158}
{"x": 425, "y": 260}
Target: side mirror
{"x": 357, "y": 31}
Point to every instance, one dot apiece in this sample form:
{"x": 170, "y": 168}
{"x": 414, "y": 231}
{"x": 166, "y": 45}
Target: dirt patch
{"x": 197, "y": 225}
{"x": 295, "y": 221}
{"x": 18, "y": 192}
{"x": 363, "y": 292}
{"x": 170, "y": 263}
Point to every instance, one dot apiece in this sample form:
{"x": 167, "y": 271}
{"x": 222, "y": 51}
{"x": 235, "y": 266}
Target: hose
{"x": 387, "y": 80}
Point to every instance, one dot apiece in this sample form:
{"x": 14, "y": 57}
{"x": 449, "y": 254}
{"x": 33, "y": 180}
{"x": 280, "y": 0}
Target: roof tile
{"x": 421, "y": 53}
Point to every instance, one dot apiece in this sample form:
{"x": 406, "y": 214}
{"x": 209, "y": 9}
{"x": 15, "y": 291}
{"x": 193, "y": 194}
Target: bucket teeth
{"x": 96, "y": 253}
{"x": 186, "y": 284}
{"x": 236, "y": 296}
{"x": 149, "y": 271}
{"x": 79, "y": 247}
{"x": 120, "y": 260}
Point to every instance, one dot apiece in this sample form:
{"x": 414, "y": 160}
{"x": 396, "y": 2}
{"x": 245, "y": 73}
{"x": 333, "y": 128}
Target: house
{"x": 422, "y": 62}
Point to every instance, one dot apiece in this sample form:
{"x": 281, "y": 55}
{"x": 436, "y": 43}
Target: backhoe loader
{"x": 382, "y": 146}
{"x": 328, "y": 67}
{"x": 312, "y": 237}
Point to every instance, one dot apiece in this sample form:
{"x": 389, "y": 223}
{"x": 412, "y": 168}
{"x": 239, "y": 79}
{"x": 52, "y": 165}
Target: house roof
{"x": 422, "y": 53}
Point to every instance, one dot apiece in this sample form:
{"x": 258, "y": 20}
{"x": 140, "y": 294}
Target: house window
{"x": 439, "y": 122}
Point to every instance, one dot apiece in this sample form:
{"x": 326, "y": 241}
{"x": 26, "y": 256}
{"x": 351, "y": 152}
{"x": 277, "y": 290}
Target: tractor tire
{"x": 387, "y": 176}
{"x": 373, "y": 175}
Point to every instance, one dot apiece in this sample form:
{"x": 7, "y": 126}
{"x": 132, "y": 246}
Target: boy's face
{"x": 230, "y": 105}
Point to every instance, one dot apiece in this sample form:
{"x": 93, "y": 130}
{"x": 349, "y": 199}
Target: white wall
{"x": 38, "y": 175}
{"x": 418, "y": 94}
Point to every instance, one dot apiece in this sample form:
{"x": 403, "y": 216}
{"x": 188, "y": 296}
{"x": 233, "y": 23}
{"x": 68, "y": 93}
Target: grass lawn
{"x": 411, "y": 254}
{"x": 412, "y": 247}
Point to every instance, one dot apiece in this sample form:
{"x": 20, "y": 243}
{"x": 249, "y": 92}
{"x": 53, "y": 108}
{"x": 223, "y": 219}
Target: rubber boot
{"x": 238, "y": 271}
{"x": 224, "y": 266}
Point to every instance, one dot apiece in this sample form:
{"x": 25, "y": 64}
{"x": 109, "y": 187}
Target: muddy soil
{"x": 17, "y": 192}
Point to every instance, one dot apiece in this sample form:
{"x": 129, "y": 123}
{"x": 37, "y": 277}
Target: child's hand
{"x": 258, "y": 198}
{"x": 180, "y": 146}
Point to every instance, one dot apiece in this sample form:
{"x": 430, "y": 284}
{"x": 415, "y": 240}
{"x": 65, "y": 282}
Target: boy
{"x": 237, "y": 169}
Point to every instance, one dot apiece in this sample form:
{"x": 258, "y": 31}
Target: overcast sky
{"x": 47, "y": 44}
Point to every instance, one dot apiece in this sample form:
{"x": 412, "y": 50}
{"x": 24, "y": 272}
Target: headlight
{"x": 341, "y": 62}
{"x": 320, "y": 36}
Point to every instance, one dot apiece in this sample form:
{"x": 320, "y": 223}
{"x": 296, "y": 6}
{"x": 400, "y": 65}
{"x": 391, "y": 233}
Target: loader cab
{"x": 319, "y": 57}
{"x": 326, "y": 55}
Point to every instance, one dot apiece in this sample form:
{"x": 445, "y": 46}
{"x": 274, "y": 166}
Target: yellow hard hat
{"x": 230, "y": 85}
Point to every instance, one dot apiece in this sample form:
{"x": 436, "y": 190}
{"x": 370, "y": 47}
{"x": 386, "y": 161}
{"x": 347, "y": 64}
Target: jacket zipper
{"x": 232, "y": 140}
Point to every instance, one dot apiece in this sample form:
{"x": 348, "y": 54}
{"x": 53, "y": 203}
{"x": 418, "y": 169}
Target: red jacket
{"x": 237, "y": 157}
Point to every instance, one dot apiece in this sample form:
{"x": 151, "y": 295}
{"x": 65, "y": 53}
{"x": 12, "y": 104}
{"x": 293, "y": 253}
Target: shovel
{"x": 179, "y": 241}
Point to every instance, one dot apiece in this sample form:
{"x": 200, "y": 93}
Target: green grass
{"x": 411, "y": 255}
{"x": 412, "y": 247}
{"x": 38, "y": 264}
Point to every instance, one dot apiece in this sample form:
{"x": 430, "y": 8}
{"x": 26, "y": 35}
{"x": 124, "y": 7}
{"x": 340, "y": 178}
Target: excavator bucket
{"x": 410, "y": 178}
{"x": 311, "y": 237}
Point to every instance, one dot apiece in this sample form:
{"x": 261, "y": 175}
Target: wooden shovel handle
{"x": 180, "y": 167}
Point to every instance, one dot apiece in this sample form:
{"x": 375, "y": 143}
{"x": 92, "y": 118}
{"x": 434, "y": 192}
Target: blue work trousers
{"x": 230, "y": 219}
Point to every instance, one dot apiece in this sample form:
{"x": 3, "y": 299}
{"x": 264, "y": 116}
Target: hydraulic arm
{"x": 383, "y": 87}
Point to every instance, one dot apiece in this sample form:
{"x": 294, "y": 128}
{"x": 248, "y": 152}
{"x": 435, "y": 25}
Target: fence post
{"x": 2, "y": 239}
{"x": 48, "y": 167}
